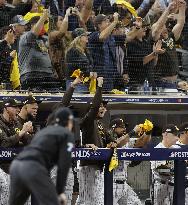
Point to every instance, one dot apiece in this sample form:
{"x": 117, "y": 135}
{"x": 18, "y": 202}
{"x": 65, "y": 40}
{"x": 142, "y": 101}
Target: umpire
{"x": 30, "y": 170}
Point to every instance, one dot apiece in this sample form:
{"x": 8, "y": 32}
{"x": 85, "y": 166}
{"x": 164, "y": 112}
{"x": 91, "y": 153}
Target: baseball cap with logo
{"x": 184, "y": 127}
{"x": 19, "y": 20}
{"x": 171, "y": 128}
{"x": 30, "y": 100}
{"x": 118, "y": 122}
{"x": 11, "y": 102}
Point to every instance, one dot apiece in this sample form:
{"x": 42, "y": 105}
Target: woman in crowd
{"x": 77, "y": 57}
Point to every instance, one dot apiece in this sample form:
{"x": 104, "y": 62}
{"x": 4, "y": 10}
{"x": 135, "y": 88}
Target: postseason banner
{"x": 123, "y": 154}
{"x": 132, "y": 154}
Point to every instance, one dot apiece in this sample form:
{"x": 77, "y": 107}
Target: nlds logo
{"x": 81, "y": 154}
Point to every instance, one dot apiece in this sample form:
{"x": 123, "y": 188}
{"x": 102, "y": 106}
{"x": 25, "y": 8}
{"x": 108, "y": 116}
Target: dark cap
{"x": 99, "y": 19}
{"x": 62, "y": 115}
{"x": 30, "y": 100}
{"x": 19, "y": 20}
{"x": 79, "y": 32}
{"x": 184, "y": 127}
{"x": 118, "y": 122}
{"x": 171, "y": 128}
{"x": 11, "y": 102}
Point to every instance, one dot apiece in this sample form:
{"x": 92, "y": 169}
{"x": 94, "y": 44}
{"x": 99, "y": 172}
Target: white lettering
{"x": 6, "y": 154}
{"x": 82, "y": 154}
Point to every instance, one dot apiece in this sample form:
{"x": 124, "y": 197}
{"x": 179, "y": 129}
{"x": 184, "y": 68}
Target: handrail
{"x": 178, "y": 154}
{"x": 130, "y": 154}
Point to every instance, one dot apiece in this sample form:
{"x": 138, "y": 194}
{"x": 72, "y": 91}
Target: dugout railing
{"x": 178, "y": 155}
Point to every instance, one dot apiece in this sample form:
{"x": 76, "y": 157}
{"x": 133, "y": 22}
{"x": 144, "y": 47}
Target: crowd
{"x": 46, "y": 157}
{"x": 128, "y": 43}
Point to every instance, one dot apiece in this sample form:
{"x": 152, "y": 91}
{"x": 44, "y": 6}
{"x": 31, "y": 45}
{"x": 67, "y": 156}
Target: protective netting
{"x": 138, "y": 47}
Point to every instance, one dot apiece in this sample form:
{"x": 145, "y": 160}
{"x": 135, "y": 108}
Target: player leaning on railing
{"x": 122, "y": 192}
{"x": 94, "y": 135}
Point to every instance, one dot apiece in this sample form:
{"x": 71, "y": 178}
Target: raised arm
{"x": 177, "y": 30}
{"x": 39, "y": 25}
{"x": 125, "y": 138}
{"x": 107, "y": 32}
{"x": 63, "y": 28}
{"x": 68, "y": 94}
{"x": 157, "y": 27}
{"x": 96, "y": 102}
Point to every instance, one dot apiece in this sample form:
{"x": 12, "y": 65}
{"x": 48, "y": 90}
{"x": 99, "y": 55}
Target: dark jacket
{"x": 93, "y": 131}
{"x": 7, "y": 13}
{"x": 9, "y": 139}
{"x": 64, "y": 103}
{"x": 51, "y": 146}
{"x": 5, "y": 62}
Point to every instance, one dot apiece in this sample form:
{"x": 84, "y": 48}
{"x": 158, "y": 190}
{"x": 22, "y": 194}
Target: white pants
{"x": 4, "y": 187}
{"x": 91, "y": 186}
{"x": 123, "y": 194}
{"x": 69, "y": 183}
{"x": 163, "y": 194}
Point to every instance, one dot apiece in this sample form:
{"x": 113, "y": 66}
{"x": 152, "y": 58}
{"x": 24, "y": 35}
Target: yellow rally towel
{"x": 114, "y": 160}
{"x": 118, "y": 92}
{"x": 15, "y": 73}
{"x": 147, "y": 126}
{"x": 78, "y": 73}
{"x": 128, "y": 6}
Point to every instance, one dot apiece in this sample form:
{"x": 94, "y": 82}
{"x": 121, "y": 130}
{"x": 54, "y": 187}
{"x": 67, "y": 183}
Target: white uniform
{"x": 69, "y": 183}
{"x": 163, "y": 185}
{"x": 186, "y": 190}
{"x": 4, "y": 187}
{"x": 91, "y": 186}
{"x": 123, "y": 193}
